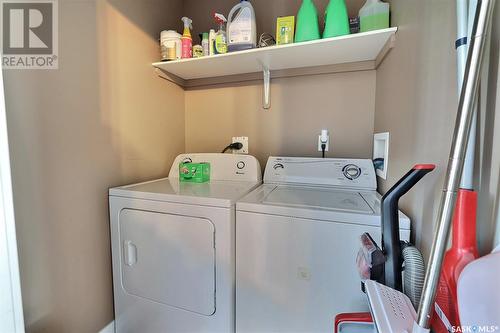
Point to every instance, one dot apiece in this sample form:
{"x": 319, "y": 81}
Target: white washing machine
{"x": 173, "y": 248}
{"x": 297, "y": 237}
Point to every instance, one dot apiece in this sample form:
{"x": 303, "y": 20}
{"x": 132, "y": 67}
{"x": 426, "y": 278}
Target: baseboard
{"x": 110, "y": 328}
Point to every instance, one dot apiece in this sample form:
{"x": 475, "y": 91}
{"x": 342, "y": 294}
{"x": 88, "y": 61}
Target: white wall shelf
{"x": 362, "y": 51}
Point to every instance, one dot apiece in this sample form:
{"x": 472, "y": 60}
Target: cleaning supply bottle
{"x": 170, "y": 45}
{"x": 307, "y": 22}
{"x": 336, "y": 19}
{"x": 241, "y": 27}
{"x": 187, "y": 40}
{"x": 220, "y": 43}
{"x": 205, "y": 44}
{"x": 374, "y": 15}
{"x": 211, "y": 42}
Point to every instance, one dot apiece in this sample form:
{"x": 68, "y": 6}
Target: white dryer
{"x": 297, "y": 237}
{"x": 173, "y": 248}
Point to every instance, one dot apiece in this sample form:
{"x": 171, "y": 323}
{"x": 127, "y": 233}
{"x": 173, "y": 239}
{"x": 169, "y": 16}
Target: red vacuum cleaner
{"x": 463, "y": 250}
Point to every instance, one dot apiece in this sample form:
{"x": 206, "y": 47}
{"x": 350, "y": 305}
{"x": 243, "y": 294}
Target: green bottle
{"x": 336, "y": 19}
{"x": 307, "y": 22}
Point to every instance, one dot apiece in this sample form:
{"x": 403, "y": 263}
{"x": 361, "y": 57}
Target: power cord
{"x": 233, "y": 146}
{"x": 323, "y": 148}
{"x": 323, "y": 140}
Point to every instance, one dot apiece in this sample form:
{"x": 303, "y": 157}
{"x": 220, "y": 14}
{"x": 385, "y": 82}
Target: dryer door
{"x": 168, "y": 259}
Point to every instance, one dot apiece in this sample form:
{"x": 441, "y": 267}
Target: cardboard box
{"x": 194, "y": 172}
{"x": 285, "y": 30}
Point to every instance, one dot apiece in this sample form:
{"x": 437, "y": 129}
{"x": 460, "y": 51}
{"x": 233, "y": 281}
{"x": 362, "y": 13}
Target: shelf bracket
{"x": 267, "y": 88}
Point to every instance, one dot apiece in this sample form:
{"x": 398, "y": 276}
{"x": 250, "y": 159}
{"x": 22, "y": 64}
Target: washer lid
{"x": 318, "y": 203}
{"x": 218, "y": 193}
{"x": 322, "y": 198}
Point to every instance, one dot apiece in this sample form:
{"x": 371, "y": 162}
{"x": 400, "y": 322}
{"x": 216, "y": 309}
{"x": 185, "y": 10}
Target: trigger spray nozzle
{"x": 188, "y": 23}
{"x": 220, "y": 19}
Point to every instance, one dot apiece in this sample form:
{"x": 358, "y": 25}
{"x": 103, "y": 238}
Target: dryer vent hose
{"x": 414, "y": 273}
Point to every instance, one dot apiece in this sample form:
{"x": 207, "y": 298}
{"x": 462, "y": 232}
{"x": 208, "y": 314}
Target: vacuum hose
{"x": 414, "y": 273}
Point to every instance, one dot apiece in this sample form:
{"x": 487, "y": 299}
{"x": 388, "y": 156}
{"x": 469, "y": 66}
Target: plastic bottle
{"x": 241, "y": 27}
{"x": 307, "y": 22}
{"x": 220, "y": 43}
{"x": 205, "y": 45}
{"x": 170, "y": 44}
{"x": 187, "y": 40}
{"x": 336, "y": 19}
{"x": 374, "y": 15}
{"x": 211, "y": 42}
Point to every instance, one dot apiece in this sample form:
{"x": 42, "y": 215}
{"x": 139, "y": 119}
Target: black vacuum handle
{"x": 390, "y": 224}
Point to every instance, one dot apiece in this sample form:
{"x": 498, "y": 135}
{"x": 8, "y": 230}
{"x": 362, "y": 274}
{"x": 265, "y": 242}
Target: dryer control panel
{"x": 234, "y": 167}
{"x": 346, "y": 173}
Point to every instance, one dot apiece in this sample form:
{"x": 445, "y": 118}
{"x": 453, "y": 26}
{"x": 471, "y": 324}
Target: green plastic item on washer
{"x": 194, "y": 172}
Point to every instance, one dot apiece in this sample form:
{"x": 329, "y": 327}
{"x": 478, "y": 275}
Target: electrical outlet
{"x": 244, "y": 141}
{"x": 324, "y": 138}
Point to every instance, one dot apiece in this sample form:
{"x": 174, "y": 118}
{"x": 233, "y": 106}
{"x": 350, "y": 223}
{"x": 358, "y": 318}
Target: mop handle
{"x": 456, "y": 162}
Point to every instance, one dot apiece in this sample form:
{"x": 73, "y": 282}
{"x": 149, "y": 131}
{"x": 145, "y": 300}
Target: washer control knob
{"x": 351, "y": 171}
{"x": 278, "y": 166}
{"x": 240, "y": 165}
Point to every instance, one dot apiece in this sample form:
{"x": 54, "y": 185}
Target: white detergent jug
{"x": 241, "y": 27}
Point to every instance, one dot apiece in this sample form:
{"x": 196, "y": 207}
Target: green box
{"x": 285, "y": 30}
{"x": 194, "y": 172}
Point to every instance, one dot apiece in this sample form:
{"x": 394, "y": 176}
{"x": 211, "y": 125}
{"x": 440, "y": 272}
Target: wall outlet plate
{"x": 381, "y": 150}
{"x": 320, "y": 143}
{"x": 244, "y": 141}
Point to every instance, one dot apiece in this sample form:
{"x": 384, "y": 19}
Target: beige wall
{"x": 416, "y": 101}
{"x": 103, "y": 119}
{"x": 300, "y": 107}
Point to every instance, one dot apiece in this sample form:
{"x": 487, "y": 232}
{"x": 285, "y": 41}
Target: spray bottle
{"x": 187, "y": 40}
{"x": 211, "y": 42}
{"x": 220, "y": 43}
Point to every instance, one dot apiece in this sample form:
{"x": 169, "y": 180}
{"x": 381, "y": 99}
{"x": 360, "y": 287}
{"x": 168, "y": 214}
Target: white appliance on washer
{"x": 173, "y": 248}
{"x": 297, "y": 237}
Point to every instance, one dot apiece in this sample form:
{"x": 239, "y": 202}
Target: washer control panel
{"x": 347, "y": 173}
